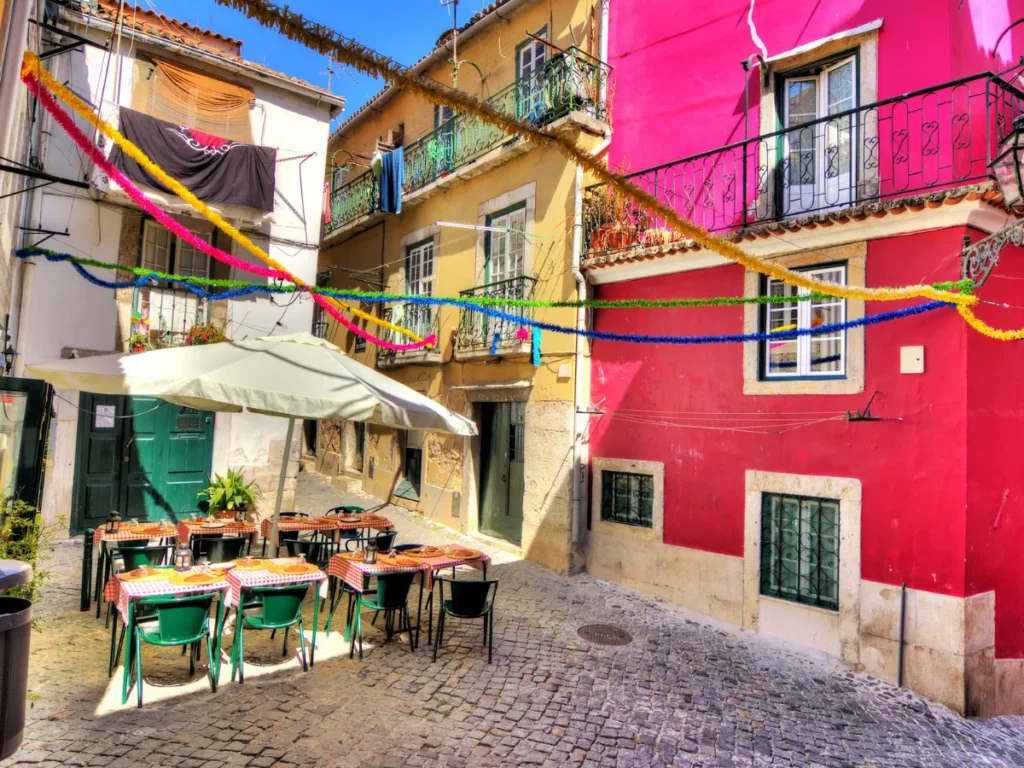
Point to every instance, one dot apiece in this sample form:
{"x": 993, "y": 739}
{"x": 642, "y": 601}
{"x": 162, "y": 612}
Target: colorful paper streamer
{"x": 38, "y": 80}
{"x": 518, "y": 319}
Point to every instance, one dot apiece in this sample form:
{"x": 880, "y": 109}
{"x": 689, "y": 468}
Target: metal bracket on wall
{"x": 978, "y": 260}
{"x": 865, "y": 415}
{"x": 48, "y": 232}
{"x": 79, "y": 40}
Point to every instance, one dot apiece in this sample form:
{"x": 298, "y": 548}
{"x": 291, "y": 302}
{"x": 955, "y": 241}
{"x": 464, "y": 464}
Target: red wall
{"x": 679, "y": 84}
{"x": 913, "y": 471}
{"x": 995, "y": 456}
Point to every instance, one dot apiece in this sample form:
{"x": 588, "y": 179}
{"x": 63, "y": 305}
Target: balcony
{"x": 480, "y": 335}
{"x": 568, "y": 87}
{"x": 421, "y": 319}
{"x": 938, "y": 138}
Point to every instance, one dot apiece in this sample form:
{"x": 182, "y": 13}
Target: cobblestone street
{"x": 685, "y": 692}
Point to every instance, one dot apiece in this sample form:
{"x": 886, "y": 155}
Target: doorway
{"x": 142, "y": 456}
{"x": 502, "y": 475}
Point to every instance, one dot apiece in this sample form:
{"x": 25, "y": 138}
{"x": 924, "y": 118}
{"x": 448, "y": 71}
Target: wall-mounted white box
{"x": 911, "y": 359}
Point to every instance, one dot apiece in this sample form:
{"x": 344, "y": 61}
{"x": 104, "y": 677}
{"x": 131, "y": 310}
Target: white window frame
{"x": 538, "y": 54}
{"x": 804, "y": 315}
{"x": 418, "y": 281}
{"x": 442, "y": 115}
{"x": 825, "y": 193}
{"x": 509, "y": 270}
{"x": 174, "y": 247}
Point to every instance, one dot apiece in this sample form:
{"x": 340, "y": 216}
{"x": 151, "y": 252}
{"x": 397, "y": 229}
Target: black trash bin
{"x": 15, "y": 635}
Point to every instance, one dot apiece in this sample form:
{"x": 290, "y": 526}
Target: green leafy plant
{"x": 138, "y": 339}
{"x": 25, "y": 536}
{"x": 231, "y": 493}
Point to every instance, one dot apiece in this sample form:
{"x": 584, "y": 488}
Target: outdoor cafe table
{"x": 124, "y": 594}
{"x": 356, "y": 574}
{"x": 242, "y": 580}
{"x": 325, "y": 523}
{"x": 125, "y": 531}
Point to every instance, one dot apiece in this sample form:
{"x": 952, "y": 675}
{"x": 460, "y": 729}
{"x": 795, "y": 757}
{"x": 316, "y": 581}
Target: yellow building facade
{"x": 482, "y": 216}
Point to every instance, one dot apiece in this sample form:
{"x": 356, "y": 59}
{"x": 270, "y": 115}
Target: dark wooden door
{"x": 502, "y": 464}
{"x": 97, "y": 486}
{"x": 25, "y": 406}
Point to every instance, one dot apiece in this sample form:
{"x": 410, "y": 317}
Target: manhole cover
{"x": 604, "y": 634}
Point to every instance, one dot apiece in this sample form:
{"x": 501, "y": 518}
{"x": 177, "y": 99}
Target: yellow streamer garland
{"x": 322, "y": 39}
{"x": 32, "y": 64}
{"x": 982, "y": 327}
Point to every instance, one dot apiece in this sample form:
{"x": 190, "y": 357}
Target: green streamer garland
{"x": 963, "y": 286}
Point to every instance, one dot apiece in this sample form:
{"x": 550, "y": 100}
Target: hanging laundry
{"x": 392, "y": 177}
{"x": 376, "y": 163}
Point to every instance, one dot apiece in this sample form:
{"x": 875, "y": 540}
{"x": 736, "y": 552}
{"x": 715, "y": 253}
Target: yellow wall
{"x": 458, "y": 265}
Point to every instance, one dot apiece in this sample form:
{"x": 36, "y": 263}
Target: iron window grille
{"x": 800, "y": 549}
{"x": 805, "y": 357}
{"x": 628, "y": 498}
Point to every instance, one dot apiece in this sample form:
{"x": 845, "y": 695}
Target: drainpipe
{"x": 28, "y": 212}
{"x": 579, "y": 451}
{"x": 10, "y": 79}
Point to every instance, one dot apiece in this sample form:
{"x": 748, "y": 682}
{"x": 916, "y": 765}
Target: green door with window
{"x": 142, "y": 456}
{"x": 502, "y": 475}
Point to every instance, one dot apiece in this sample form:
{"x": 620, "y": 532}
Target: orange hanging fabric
{"x": 183, "y": 96}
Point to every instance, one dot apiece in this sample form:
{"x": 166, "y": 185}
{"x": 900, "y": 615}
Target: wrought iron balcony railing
{"x": 940, "y": 137}
{"x": 478, "y": 331}
{"x": 570, "y": 82}
{"x": 421, "y": 319}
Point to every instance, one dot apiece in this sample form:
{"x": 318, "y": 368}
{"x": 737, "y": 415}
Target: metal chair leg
{"x": 302, "y": 645}
{"x": 284, "y": 650}
{"x": 490, "y": 635}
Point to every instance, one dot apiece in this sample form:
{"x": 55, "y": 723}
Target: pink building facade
{"x": 858, "y": 492}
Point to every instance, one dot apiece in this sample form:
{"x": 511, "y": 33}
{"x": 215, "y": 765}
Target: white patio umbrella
{"x": 296, "y": 377}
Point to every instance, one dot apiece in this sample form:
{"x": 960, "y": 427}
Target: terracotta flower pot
{"x": 138, "y": 348}
{"x": 617, "y": 239}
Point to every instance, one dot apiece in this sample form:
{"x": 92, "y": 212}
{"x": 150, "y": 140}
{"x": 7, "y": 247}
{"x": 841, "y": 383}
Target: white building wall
{"x": 61, "y": 310}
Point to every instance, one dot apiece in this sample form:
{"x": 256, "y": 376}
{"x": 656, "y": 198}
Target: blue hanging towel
{"x": 536, "y": 347}
{"x": 494, "y": 343}
{"x": 392, "y": 177}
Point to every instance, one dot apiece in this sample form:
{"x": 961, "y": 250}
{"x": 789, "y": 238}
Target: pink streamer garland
{"x": 68, "y": 124}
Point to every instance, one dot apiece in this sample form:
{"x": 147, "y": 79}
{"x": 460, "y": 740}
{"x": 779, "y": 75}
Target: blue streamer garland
{"x": 515, "y": 319}
{"x": 536, "y": 347}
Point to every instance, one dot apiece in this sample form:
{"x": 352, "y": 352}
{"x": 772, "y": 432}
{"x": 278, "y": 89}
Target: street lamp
{"x": 1007, "y": 165}
{"x": 9, "y": 354}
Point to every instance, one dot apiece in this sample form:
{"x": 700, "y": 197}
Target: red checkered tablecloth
{"x": 322, "y": 524}
{"x": 122, "y": 592}
{"x": 187, "y": 529}
{"x": 244, "y": 579}
{"x": 353, "y": 571}
{"x": 124, "y": 533}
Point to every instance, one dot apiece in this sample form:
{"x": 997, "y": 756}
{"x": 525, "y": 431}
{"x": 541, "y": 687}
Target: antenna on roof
{"x": 453, "y": 9}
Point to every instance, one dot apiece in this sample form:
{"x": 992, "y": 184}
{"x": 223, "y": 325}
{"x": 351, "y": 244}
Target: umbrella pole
{"x": 280, "y": 483}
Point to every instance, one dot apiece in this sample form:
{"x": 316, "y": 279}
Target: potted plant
{"x": 138, "y": 341}
{"x": 617, "y": 237}
{"x": 204, "y": 333}
{"x": 230, "y": 495}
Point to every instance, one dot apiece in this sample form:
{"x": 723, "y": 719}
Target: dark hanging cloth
{"x": 392, "y": 177}
{"x": 215, "y": 170}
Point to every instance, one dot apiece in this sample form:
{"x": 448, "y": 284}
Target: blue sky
{"x": 405, "y": 30}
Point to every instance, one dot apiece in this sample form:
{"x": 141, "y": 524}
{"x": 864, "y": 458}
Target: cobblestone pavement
{"x": 685, "y": 692}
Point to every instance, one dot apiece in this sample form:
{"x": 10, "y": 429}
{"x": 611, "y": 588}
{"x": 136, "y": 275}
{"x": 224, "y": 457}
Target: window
{"x": 627, "y": 497}
{"x": 164, "y": 252}
{"x": 800, "y": 549}
{"x": 506, "y": 251}
{"x": 419, "y": 281}
{"x": 442, "y": 115}
{"x": 819, "y": 356}
{"x": 818, "y": 160}
{"x": 531, "y": 56}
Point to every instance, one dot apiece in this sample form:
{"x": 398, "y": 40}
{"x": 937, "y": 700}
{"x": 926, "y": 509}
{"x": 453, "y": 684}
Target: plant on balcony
{"x": 138, "y": 342}
{"x": 204, "y": 333}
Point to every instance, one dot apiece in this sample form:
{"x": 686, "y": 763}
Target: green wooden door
{"x": 502, "y": 471}
{"x": 97, "y": 487}
{"x": 144, "y": 457}
{"x": 24, "y": 430}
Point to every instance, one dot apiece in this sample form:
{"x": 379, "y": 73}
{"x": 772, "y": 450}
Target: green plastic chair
{"x": 468, "y": 600}
{"x": 142, "y": 613}
{"x": 183, "y": 620}
{"x": 148, "y": 556}
{"x": 391, "y": 598}
{"x": 279, "y": 608}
